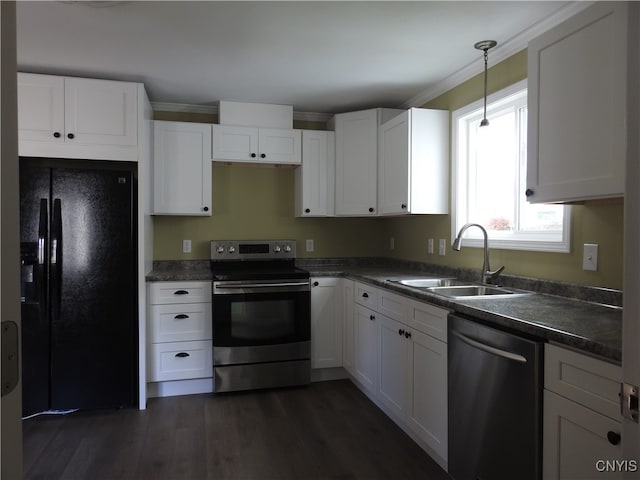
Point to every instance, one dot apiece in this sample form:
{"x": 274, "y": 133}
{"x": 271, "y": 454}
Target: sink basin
{"x": 474, "y": 291}
{"x": 430, "y": 282}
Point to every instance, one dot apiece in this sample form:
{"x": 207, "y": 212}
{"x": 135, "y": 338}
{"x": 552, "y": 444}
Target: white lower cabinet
{"x": 367, "y": 347}
{"x": 582, "y": 421}
{"x": 180, "y": 351}
{"x": 326, "y": 322}
{"x": 400, "y": 362}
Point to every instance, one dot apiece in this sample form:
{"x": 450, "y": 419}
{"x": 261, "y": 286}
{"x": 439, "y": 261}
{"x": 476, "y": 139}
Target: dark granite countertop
{"x": 592, "y": 322}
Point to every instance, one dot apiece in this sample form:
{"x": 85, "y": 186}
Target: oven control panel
{"x": 252, "y": 249}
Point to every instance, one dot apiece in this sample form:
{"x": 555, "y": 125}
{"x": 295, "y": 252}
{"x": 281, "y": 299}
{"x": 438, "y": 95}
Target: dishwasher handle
{"x": 489, "y": 349}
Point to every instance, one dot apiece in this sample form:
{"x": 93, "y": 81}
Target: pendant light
{"x": 485, "y": 46}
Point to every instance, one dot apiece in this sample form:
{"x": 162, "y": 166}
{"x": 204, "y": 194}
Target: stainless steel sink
{"x": 429, "y": 282}
{"x": 475, "y": 291}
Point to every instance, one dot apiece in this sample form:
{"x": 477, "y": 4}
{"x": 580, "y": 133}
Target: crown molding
{"x": 213, "y": 110}
{"x": 503, "y": 51}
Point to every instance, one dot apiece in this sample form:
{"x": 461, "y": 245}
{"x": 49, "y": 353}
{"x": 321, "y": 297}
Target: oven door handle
{"x": 260, "y": 285}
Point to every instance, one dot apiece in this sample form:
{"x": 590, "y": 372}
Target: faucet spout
{"x": 486, "y": 274}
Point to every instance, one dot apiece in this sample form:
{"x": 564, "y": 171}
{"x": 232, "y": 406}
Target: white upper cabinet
{"x": 357, "y": 160}
{"x": 77, "y": 117}
{"x": 256, "y": 145}
{"x": 413, "y": 163}
{"x": 577, "y": 107}
{"x": 315, "y": 178}
{"x": 182, "y": 168}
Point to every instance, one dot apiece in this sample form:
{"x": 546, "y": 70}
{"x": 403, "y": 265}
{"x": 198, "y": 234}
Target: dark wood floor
{"x": 328, "y": 430}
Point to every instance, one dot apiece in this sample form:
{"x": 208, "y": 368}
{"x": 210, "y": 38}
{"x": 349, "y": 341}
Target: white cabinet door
{"x": 356, "y": 162}
{"x": 256, "y": 145}
{"x": 394, "y": 349}
{"x": 577, "y": 107}
{"x": 367, "y": 348}
{"x": 101, "y": 112}
{"x": 315, "y": 178}
{"x": 413, "y": 163}
{"x": 578, "y": 441}
{"x": 279, "y": 145}
{"x": 326, "y": 322}
{"x": 182, "y": 168}
{"x": 41, "y": 107}
{"x": 427, "y": 407}
{"x": 233, "y": 143}
{"x": 349, "y": 338}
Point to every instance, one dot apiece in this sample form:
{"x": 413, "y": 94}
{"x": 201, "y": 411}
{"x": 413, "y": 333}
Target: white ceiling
{"x": 323, "y": 57}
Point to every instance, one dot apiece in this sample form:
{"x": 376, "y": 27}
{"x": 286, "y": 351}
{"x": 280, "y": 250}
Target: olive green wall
{"x": 600, "y": 223}
{"x": 257, "y": 202}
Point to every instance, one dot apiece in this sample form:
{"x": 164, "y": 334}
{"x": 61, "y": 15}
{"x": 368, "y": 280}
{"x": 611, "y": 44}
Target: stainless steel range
{"x": 261, "y": 315}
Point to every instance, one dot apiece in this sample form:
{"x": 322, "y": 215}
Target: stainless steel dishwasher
{"x": 495, "y": 403}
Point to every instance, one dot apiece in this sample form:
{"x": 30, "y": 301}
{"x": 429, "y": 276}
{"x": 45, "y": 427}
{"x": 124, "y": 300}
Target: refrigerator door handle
{"x": 56, "y": 258}
{"x": 42, "y": 230}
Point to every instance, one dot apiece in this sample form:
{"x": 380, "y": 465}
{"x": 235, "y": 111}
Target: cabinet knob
{"x": 528, "y": 192}
{"x": 181, "y": 316}
{"x": 307, "y": 210}
{"x": 403, "y": 206}
{"x": 253, "y": 155}
{"x": 370, "y": 209}
{"x": 372, "y": 317}
{"x": 56, "y": 134}
{"x": 315, "y": 284}
{"x": 407, "y": 334}
{"x": 262, "y": 155}
{"x": 400, "y": 332}
{"x": 206, "y": 209}
{"x": 182, "y": 355}
{"x": 181, "y": 292}
{"x": 613, "y": 437}
{"x": 70, "y": 135}
{"x": 365, "y": 295}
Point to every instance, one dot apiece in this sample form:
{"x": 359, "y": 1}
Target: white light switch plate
{"x": 309, "y": 245}
{"x": 430, "y": 245}
{"x": 186, "y": 246}
{"x": 590, "y": 257}
{"x": 442, "y": 246}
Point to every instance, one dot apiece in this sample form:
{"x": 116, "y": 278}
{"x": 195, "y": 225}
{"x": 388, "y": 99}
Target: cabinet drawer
{"x": 179, "y": 292}
{"x": 366, "y": 295}
{"x": 428, "y": 319}
{"x": 179, "y": 323}
{"x": 392, "y": 305}
{"x": 586, "y": 380}
{"x": 180, "y": 360}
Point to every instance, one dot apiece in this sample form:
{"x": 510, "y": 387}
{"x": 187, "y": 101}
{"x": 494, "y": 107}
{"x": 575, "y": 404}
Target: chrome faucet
{"x": 487, "y": 274}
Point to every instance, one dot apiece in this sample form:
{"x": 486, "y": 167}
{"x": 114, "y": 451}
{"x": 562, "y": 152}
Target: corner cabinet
{"x": 315, "y": 177}
{"x": 582, "y": 423}
{"x": 357, "y": 160}
{"x": 182, "y": 168}
{"x": 68, "y": 117}
{"x": 413, "y": 163}
{"x": 577, "y": 107}
{"x": 256, "y": 145}
{"x": 326, "y": 322}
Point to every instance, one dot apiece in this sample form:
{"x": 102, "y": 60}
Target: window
{"x": 489, "y": 178}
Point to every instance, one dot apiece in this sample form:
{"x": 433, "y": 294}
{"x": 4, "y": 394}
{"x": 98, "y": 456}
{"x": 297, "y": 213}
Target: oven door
{"x": 261, "y": 313}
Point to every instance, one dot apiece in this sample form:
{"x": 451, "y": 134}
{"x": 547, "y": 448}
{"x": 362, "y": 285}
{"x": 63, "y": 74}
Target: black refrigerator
{"x": 78, "y": 284}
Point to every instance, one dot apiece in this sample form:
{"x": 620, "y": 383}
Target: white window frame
{"x": 530, "y": 241}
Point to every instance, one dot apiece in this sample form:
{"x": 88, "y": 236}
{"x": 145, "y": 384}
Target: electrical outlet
{"x": 430, "y": 246}
{"x": 186, "y": 246}
{"x": 309, "y": 245}
{"x": 590, "y": 257}
{"x": 442, "y": 247}
{"x": 392, "y": 243}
